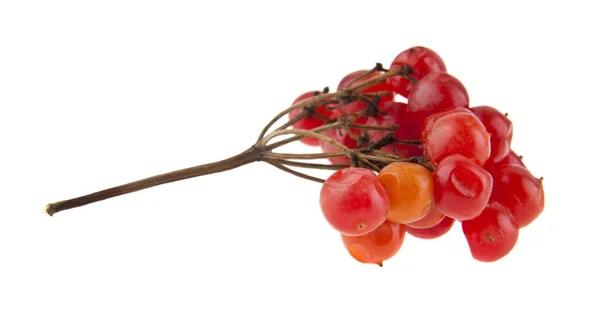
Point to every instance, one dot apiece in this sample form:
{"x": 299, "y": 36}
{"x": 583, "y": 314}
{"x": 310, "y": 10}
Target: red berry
{"x": 365, "y": 137}
{"x": 344, "y": 136}
{"x": 436, "y": 231}
{"x": 409, "y": 128}
{"x": 389, "y": 112}
{"x": 493, "y": 234}
{"x": 354, "y": 201}
{"x": 437, "y": 92}
{"x": 500, "y": 129}
{"x": 422, "y": 60}
{"x": 457, "y": 131}
{"x": 357, "y": 106}
{"x": 309, "y": 122}
{"x": 522, "y": 193}
{"x": 461, "y": 187}
{"x": 381, "y": 121}
{"x": 377, "y": 246}
{"x": 511, "y": 158}
{"x": 433, "y": 218}
{"x": 341, "y": 136}
{"x": 391, "y": 109}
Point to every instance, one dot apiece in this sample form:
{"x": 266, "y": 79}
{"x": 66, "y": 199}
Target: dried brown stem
{"x": 368, "y": 157}
{"x": 370, "y": 165}
{"x": 294, "y": 172}
{"x": 273, "y": 146}
{"x": 307, "y": 156}
{"x": 362, "y": 76}
{"x": 318, "y": 166}
{"x": 248, "y": 156}
{"x": 302, "y": 132}
{"x": 322, "y": 98}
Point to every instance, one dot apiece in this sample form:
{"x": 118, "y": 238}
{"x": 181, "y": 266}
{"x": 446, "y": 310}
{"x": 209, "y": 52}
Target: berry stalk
{"x": 246, "y": 157}
{"x": 367, "y": 157}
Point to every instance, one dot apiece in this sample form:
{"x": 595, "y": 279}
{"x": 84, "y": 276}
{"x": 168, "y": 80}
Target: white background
{"x": 95, "y": 94}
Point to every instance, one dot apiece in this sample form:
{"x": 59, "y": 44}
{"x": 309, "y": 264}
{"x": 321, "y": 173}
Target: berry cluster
{"x": 410, "y": 154}
{"x": 458, "y": 164}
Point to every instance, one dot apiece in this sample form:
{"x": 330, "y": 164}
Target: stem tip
{"x": 51, "y": 209}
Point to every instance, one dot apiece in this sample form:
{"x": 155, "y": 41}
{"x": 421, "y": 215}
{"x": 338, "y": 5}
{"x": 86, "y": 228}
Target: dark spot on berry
{"x": 488, "y": 237}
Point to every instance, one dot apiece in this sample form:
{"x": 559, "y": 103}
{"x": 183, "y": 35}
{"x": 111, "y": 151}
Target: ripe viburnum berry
{"x": 493, "y": 234}
{"x": 435, "y": 231}
{"x": 377, "y": 246}
{"x": 422, "y": 60}
{"x": 500, "y": 129}
{"x": 462, "y": 188}
{"x": 456, "y": 131}
{"x": 437, "y": 92}
{"x": 522, "y": 193}
{"x": 432, "y": 218}
{"x": 358, "y": 105}
{"x": 354, "y": 201}
{"x": 410, "y": 188}
{"x": 309, "y": 122}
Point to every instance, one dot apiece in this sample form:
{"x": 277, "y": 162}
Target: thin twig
{"x": 248, "y": 156}
{"x": 294, "y": 172}
{"x": 325, "y": 127}
{"x": 362, "y": 76}
{"x": 262, "y": 150}
{"x": 306, "y": 133}
{"x": 308, "y": 156}
{"x": 371, "y": 165}
{"x": 322, "y": 98}
{"x": 319, "y": 166}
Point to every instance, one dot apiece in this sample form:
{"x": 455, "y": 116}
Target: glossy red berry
{"x": 357, "y": 138}
{"x": 354, "y": 201}
{"x": 310, "y": 121}
{"x": 377, "y": 135}
{"x": 409, "y": 128}
{"x": 500, "y": 129}
{"x": 457, "y": 131}
{"x": 436, "y": 231}
{"x": 353, "y": 78}
{"x": 461, "y": 187}
{"x": 390, "y": 116}
{"x": 422, "y": 60}
{"x": 344, "y": 137}
{"x": 511, "y": 158}
{"x": 437, "y": 92}
{"x": 377, "y": 246}
{"x": 522, "y": 193}
{"x": 491, "y": 235}
{"x": 433, "y": 218}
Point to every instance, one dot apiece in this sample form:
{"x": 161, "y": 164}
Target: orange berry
{"x": 378, "y": 245}
{"x": 410, "y": 188}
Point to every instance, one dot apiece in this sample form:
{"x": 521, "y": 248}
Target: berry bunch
{"x": 415, "y": 165}
{"x": 459, "y": 167}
